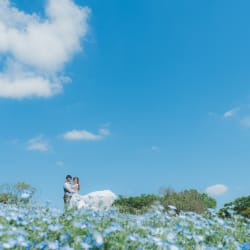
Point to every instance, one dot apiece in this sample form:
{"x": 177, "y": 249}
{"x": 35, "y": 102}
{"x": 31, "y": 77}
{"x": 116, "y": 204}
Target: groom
{"x": 67, "y": 191}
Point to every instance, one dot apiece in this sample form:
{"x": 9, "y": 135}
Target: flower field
{"x": 30, "y": 227}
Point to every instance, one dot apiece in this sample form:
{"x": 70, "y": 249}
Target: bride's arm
{"x": 74, "y": 188}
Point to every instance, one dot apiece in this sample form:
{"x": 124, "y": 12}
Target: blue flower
{"x": 55, "y": 228}
{"x": 245, "y": 246}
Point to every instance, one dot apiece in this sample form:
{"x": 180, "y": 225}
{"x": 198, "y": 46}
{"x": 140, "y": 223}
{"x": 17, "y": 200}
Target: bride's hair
{"x": 77, "y": 181}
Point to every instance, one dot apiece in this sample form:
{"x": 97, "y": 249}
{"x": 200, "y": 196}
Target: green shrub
{"x": 8, "y": 198}
{"x": 137, "y": 204}
{"x": 12, "y": 193}
{"x": 239, "y": 206}
{"x": 3, "y": 198}
{"x": 187, "y": 200}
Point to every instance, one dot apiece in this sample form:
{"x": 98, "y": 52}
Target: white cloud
{"x": 34, "y": 50}
{"x": 231, "y": 113}
{"x": 218, "y": 189}
{"x": 38, "y": 144}
{"x": 86, "y": 135}
{"x": 104, "y": 132}
{"x": 81, "y": 135}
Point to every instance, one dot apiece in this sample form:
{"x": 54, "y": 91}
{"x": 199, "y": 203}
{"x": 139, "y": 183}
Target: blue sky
{"x": 128, "y": 95}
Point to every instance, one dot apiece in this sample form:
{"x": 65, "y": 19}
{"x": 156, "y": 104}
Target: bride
{"x": 95, "y": 200}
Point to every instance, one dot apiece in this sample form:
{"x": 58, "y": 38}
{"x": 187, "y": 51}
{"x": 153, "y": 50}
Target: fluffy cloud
{"x": 86, "y": 135}
{"x": 104, "y": 132}
{"x": 218, "y": 189}
{"x": 38, "y": 144}
{"x": 34, "y": 50}
{"x": 231, "y": 113}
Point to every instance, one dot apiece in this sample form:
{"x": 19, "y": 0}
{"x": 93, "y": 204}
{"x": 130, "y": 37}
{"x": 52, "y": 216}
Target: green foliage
{"x": 13, "y": 193}
{"x": 8, "y": 198}
{"x": 187, "y": 200}
{"x": 3, "y": 198}
{"x": 136, "y": 205}
{"x": 240, "y": 206}
{"x": 208, "y": 201}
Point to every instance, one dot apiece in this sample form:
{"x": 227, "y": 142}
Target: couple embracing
{"x": 70, "y": 189}
{"x": 95, "y": 200}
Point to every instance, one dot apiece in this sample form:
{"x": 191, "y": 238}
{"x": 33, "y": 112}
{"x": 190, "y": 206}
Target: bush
{"x": 19, "y": 192}
{"x": 240, "y": 206}
{"x": 187, "y": 200}
{"x": 8, "y": 198}
{"x": 137, "y": 204}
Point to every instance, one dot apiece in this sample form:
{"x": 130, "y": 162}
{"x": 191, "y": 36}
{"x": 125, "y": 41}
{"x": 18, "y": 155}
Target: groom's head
{"x": 68, "y": 178}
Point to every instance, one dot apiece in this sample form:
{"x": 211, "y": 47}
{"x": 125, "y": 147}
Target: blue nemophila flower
{"x": 159, "y": 242}
{"x": 133, "y": 237}
{"x": 25, "y": 244}
{"x": 41, "y": 245}
{"x": 94, "y": 238}
{"x": 173, "y": 247}
{"x": 55, "y": 227}
{"x": 85, "y": 246}
{"x": 211, "y": 210}
{"x": 198, "y": 238}
{"x": 245, "y": 246}
{"x": 11, "y": 243}
{"x": 69, "y": 218}
{"x": 53, "y": 245}
{"x": 42, "y": 234}
{"x": 22, "y": 225}
{"x": 66, "y": 248}
{"x": 171, "y": 237}
{"x": 112, "y": 228}
{"x": 65, "y": 237}
{"x": 20, "y": 238}
{"x": 79, "y": 224}
{"x": 98, "y": 239}
{"x": 140, "y": 248}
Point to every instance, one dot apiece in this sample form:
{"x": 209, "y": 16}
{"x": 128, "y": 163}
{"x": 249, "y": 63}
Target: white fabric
{"x": 75, "y": 188}
{"x": 68, "y": 187}
{"x": 98, "y": 200}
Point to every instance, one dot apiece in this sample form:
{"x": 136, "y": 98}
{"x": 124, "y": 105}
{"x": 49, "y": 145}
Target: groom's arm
{"x": 67, "y": 186}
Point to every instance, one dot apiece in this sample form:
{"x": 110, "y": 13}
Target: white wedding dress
{"x": 98, "y": 200}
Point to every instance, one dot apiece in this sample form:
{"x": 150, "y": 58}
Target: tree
{"x": 240, "y": 206}
{"x": 137, "y": 204}
{"x": 19, "y": 192}
{"x": 208, "y": 201}
{"x": 187, "y": 200}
